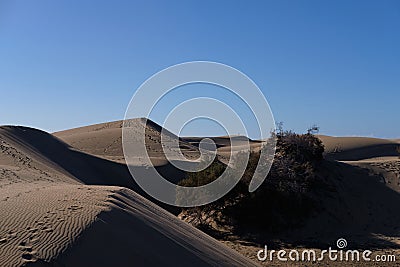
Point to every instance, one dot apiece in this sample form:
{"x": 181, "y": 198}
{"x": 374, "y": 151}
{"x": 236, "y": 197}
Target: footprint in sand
{"x": 29, "y": 257}
{"x": 28, "y": 253}
{"x": 25, "y": 246}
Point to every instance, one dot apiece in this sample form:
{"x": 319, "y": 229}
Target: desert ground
{"x": 68, "y": 199}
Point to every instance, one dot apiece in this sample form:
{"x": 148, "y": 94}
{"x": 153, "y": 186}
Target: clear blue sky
{"x": 65, "y": 64}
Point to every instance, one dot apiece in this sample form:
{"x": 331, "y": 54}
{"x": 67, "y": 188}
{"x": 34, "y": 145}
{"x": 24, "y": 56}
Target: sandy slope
{"x": 78, "y": 225}
{"x": 142, "y": 233}
{"x": 105, "y": 140}
{"x": 44, "y": 150}
{"x": 50, "y": 216}
{"x": 380, "y": 156}
{"x": 358, "y": 148}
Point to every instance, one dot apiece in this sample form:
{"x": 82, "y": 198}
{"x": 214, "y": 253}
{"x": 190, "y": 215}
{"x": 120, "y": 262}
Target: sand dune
{"x": 380, "y": 156}
{"x": 68, "y": 199}
{"x": 53, "y": 157}
{"x": 358, "y": 148}
{"x": 41, "y": 220}
{"x": 99, "y": 140}
{"x": 105, "y": 140}
{"x": 78, "y": 225}
{"x": 143, "y": 234}
{"x": 58, "y": 208}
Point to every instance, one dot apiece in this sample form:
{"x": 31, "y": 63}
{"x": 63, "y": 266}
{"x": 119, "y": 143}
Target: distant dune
{"x": 358, "y": 148}
{"x": 58, "y": 208}
{"x": 105, "y": 140}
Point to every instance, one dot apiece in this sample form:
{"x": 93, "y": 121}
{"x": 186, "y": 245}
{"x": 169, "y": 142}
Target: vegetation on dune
{"x": 284, "y": 198}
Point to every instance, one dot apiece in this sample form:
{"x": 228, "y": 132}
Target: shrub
{"x": 205, "y": 176}
{"x": 281, "y": 201}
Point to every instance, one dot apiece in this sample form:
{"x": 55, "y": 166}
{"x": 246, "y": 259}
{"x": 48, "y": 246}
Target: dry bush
{"x": 281, "y": 201}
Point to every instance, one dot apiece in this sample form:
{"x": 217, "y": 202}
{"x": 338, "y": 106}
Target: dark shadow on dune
{"x": 86, "y": 168}
{"x": 383, "y": 150}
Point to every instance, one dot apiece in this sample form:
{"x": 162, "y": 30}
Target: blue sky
{"x": 336, "y": 64}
